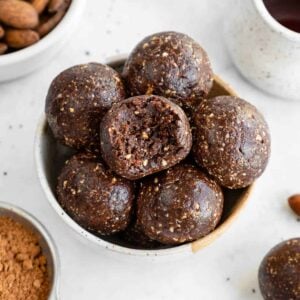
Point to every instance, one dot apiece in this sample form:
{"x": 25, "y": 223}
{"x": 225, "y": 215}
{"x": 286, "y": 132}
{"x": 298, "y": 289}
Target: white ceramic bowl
{"x": 24, "y": 61}
{"x": 50, "y": 157}
{"x": 46, "y": 242}
{"x": 263, "y": 50}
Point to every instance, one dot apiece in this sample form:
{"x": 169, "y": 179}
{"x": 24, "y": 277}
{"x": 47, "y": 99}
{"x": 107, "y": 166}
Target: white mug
{"x": 265, "y": 52}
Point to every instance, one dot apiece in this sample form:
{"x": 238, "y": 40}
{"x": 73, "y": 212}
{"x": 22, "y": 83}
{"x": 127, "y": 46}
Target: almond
{"x": 3, "y": 48}
{"x": 2, "y": 32}
{"x": 18, "y": 14}
{"x": 39, "y": 5}
{"x": 55, "y": 5}
{"x": 294, "y": 202}
{"x": 46, "y": 26}
{"x": 20, "y": 38}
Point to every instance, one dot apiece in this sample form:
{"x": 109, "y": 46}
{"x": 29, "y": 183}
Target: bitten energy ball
{"x": 93, "y": 196}
{"x": 179, "y": 205}
{"x": 279, "y": 272}
{"x": 169, "y": 64}
{"x": 77, "y": 100}
{"x": 231, "y": 140}
{"x": 143, "y": 135}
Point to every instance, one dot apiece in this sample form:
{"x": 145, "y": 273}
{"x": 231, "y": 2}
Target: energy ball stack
{"x": 131, "y": 176}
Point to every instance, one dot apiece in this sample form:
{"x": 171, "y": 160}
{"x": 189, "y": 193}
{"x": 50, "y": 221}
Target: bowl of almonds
{"x": 32, "y": 31}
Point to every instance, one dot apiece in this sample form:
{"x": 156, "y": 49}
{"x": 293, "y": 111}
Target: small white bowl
{"x": 264, "y": 51}
{"x": 45, "y": 240}
{"x": 24, "y": 61}
{"x": 50, "y": 157}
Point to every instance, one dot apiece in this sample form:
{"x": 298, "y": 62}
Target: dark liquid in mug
{"x": 286, "y": 12}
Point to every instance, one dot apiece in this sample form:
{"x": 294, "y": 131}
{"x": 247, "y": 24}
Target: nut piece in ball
{"x": 179, "y": 205}
{"x": 93, "y": 196}
{"x": 144, "y": 135}
{"x": 76, "y": 101}
{"x": 172, "y": 65}
{"x": 279, "y": 272}
{"x": 231, "y": 140}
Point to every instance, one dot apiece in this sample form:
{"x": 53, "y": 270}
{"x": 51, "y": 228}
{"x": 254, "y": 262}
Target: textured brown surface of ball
{"x": 231, "y": 140}
{"x": 136, "y": 238}
{"x": 76, "y": 101}
{"x": 172, "y": 65}
{"x": 279, "y": 272}
{"x": 143, "y": 135}
{"x": 179, "y": 205}
{"x": 93, "y": 196}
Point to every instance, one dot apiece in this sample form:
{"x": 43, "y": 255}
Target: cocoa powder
{"x": 23, "y": 272}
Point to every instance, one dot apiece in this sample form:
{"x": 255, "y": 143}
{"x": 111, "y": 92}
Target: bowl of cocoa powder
{"x": 29, "y": 263}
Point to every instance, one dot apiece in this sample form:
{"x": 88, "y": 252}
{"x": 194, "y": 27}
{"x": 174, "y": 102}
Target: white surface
{"x": 266, "y": 52}
{"x": 110, "y": 27}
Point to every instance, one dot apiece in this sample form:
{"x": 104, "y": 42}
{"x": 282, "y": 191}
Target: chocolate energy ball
{"x": 135, "y": 236}
{"x": 172, "y": 65}
{"x": 144, "y": 135}
{"x": 279, "y": 272}
{"x": 93, "y": 196}
{"x": 231, "y": 140}
{"x": 76, "y": 101}
{"x": 179, "y": 205}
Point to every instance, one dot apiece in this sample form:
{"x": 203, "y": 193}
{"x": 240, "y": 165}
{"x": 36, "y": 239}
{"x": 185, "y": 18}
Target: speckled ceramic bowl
{"x": 50, "y": 157}
{"x": 45, "y": 240}
{"x": 264, "y": 51}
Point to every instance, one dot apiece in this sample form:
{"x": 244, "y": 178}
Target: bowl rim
{"x": 24, "y": 214}
{"x": 190, "y": 246}
{"x": 273, "y": 23}
{"x": 72, "y": 15}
